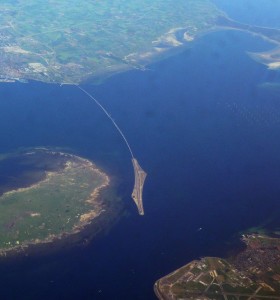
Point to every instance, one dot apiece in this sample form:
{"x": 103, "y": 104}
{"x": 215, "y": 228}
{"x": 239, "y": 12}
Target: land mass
{"x": 53, "y": 195}
{"x": 62, "y": 42}
{"x": 137, "y": 193}
{"x": 253, "y": 274}
{"x": 269, "y": 58}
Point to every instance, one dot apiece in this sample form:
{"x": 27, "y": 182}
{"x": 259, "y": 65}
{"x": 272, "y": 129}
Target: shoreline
{"x": 85, "y": 219}
{"x": 253, "y": 269}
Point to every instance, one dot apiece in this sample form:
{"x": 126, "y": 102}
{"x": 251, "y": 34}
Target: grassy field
{"x": 62, "y": 42}
{"x": 62, "y": 203}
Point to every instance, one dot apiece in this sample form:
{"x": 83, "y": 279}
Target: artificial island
{"x": 50, "y": 196}
{"x": 253, "y": 274}
{"x": 137, "y": 193}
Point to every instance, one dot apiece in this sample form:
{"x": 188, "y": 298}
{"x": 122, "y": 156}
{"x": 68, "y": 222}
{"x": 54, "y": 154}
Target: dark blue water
{"x": 256, "y": 12}
{"x": 208, "y": 138}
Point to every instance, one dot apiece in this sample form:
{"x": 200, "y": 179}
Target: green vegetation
{"x": 62, "y": 42}
{"x": 253, "y": 273}
{"x": 61, "y": 203}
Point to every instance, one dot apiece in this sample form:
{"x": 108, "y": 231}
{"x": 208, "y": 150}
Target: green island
{"x": 62, "y": 42}
{"x": 253, "y": 274}
{"x": 49, "y": 196}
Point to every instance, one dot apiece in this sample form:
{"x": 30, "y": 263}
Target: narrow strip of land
{"x": 140, "y": 176}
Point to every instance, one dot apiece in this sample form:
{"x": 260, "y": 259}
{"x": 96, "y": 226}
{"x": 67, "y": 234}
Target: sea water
{"x": 202, "y": 128}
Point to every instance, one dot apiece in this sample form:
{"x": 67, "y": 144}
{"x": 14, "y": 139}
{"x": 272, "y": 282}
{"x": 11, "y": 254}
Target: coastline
{"x": 85, "y": 220}
{"x": 254, "y": 271}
